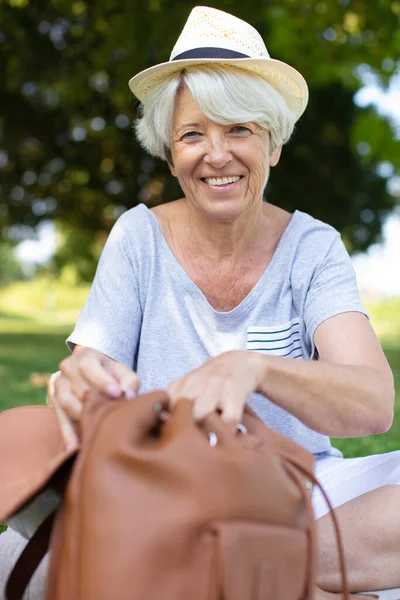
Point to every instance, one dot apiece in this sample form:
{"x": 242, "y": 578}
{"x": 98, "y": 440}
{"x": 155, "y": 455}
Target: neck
{"x": 217, "y": 240}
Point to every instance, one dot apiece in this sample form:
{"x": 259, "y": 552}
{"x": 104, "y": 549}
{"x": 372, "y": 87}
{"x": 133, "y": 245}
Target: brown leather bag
{"x": 158, "y": 507}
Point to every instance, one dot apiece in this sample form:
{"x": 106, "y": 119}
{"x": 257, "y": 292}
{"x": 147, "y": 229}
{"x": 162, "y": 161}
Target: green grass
{"x": 385, "y": 318}
{"x": 26, "y": 359}
{"x": 35, "y": 319}
{"x": 375, "y": 444}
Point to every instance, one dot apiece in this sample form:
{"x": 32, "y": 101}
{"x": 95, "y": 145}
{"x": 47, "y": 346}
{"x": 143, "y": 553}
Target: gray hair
{"x": 226, "y": 94}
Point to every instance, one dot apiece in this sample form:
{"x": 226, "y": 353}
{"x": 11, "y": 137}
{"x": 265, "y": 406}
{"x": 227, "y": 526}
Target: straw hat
{"x": 213, "y": 36}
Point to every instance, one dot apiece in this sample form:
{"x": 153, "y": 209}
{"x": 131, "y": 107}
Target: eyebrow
{"x": 185, "y": 125}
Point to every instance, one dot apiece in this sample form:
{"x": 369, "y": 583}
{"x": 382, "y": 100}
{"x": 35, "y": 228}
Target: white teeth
{"x": 221, "y": 180}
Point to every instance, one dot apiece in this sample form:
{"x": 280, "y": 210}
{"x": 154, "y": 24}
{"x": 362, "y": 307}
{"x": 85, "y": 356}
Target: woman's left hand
{"x": 223, "y": 383}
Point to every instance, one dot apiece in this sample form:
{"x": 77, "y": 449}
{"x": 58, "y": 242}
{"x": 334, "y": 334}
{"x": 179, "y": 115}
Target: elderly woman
{"x": 223, "y": 298}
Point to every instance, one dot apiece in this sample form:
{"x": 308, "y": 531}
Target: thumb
{"x": 68, "y": 429}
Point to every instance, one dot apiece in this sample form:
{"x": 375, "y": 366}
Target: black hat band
{"x": 209, "y": 53}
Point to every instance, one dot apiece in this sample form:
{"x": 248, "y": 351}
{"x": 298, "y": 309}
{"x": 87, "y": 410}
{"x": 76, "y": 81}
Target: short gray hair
{"x": 226, "y": 94}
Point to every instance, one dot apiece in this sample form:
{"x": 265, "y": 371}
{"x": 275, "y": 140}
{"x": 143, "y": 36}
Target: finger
{"x": 66, "y": 399}
{"x": 203, "y": 391}
{"x": 232, "y": 408}
{"x": 79, "y": 388}
{"x": 68, "y": 429}
{"x": 71, "y": 404}
{"x": 69, "y": 366}
{"x": 70, "y": 377}
{"x": 84, "y": 368}
{"x": 127, "y": 379}
{"x": 51, "y": 388}
{"x": 209, "y": 399}
{"x": 187, "y": 387}
{"x": 93, "y": 371}
{"x": 173, "y": 392}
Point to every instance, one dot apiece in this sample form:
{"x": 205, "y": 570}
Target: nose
{"x": 218, "y": 153}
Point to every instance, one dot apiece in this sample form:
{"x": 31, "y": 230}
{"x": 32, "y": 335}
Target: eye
{"x": 241, "y": 130}
{"x": 191, "y": 135}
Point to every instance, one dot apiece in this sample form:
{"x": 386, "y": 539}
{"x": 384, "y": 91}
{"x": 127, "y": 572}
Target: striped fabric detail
{"x": 279, "y": 340}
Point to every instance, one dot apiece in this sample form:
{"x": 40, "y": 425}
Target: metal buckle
{"x": 158, "y": 408}
{"x": 212, "y": 438}
{"x": 309, "y": 485}
{"x": 240, "y": 428}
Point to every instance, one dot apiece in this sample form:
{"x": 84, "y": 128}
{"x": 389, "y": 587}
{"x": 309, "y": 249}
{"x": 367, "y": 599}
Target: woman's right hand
{"x": 86, "y": 369}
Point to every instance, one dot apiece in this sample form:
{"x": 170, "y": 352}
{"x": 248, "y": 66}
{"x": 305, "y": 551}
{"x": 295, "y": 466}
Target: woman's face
{"x": 222, "y": 169}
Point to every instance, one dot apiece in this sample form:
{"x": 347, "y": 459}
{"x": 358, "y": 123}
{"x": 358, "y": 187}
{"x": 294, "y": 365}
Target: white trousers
{"x": 11, "y": 546}
{"x": 346, "y": 478}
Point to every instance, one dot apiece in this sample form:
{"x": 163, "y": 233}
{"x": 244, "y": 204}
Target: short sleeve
{"x": 332, "y": 290}
{"x": 111, "y": 318}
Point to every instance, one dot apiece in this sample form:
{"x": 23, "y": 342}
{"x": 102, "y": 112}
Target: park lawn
{"x": 29, "y": 352}
{"x": 375, "y": 444}
{"x": 35, "y": 319}
{"x": 385, "y": 318}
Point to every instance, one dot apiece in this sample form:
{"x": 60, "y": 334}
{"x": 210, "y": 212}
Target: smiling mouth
{"x": 221, "y": 181}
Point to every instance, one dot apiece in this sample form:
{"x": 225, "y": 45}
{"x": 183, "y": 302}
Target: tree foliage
{"x": 67, "y": 150}
{"x": 10, "y": 269}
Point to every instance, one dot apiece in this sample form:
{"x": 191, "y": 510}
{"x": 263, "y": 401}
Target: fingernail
{"x": 113, "y": 390}
{"x": 198, "y": 415}
{"x": 130, "y": 394}
{"x": 71, "y": 446}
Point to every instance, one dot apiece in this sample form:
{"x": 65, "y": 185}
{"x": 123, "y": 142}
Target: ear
{"x": 275, "y": 156}
{"x": 171, "y": 168}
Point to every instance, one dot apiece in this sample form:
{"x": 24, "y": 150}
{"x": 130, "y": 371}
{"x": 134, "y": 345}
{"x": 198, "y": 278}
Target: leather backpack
{"x": 158, "y": 507}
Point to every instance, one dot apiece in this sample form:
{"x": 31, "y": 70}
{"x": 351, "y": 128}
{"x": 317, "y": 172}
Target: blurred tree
{"x": 67, "y": 151}
{"x": 10, "y": 268}
{"x": 340, "y": 187}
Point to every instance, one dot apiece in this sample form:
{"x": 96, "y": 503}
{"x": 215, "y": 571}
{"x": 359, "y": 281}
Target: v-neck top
{"x": 186, "y": 280}
{"x": 145, "y": 311}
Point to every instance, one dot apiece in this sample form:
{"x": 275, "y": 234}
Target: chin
{"x": 233, "y": 206}
{"x": 225, "y": 209}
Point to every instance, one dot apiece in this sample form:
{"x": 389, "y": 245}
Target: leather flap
{"x": 32, "y": 450}
{"x": 286, "y": 447}
{"x": 261, "y": 562}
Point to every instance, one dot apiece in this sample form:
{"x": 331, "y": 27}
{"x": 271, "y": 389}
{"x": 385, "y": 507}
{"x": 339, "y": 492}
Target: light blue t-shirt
{"x": 144, "y": 310}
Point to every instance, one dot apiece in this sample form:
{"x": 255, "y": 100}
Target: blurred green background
{"x": 68, "y": 155}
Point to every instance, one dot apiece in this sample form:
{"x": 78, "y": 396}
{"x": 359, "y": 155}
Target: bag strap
{"x": 310, "y": 475}
{"x": 342, "y": 563}
{"x": 29, "y": 560}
